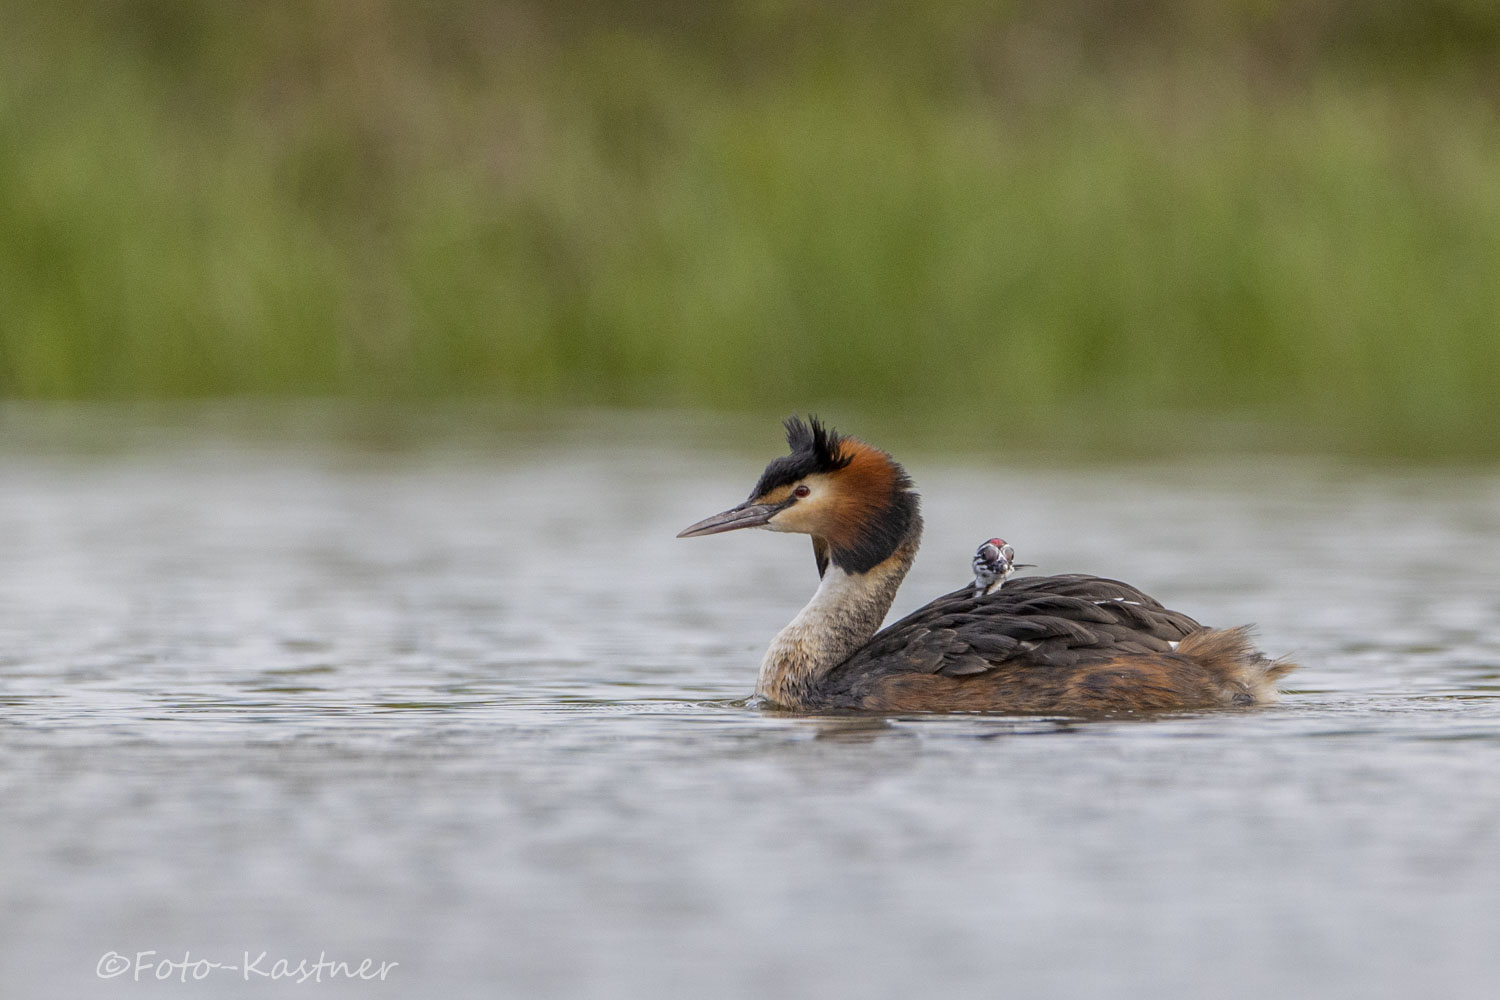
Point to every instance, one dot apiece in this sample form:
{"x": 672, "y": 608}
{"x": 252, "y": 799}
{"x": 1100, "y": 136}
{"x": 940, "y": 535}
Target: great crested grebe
{"x": 994, "y": 562}
{"x": 1070, "y": 644}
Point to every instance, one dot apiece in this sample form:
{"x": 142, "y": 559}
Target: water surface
{"x": 471, "y": 708}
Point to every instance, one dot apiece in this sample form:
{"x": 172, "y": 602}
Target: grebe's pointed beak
{"x": 746, "y": 515}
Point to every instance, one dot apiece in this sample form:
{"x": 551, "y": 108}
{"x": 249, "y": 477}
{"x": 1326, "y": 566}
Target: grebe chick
{"x": 1071, "y": 644}
{"x": 993, "y": 563}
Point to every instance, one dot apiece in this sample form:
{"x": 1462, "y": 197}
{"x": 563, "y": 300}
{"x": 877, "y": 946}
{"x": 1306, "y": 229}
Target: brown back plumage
{"x": 1063, "y": 644}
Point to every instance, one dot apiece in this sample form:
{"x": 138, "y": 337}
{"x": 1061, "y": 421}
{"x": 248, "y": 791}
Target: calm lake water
{"x": 472, "y": 709}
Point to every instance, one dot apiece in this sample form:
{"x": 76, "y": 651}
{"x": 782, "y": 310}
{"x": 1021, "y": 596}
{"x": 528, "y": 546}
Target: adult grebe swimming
{"x": 1069, "y": 644}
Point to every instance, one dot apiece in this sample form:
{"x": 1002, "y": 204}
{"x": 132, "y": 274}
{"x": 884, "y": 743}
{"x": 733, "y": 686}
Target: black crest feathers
{"x": 823, "y": 444}
{"x": 815, "y": 448}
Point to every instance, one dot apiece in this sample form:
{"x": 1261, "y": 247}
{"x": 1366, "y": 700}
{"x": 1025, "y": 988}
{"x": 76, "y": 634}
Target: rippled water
{"x": 472, "y": 709}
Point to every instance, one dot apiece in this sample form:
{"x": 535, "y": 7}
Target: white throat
{"x": 844, "y": 613}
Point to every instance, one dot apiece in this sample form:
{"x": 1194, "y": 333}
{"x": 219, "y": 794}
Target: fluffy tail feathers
{"x": 1245, "y": 675}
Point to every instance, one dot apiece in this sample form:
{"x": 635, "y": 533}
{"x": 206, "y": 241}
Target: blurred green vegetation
{"x": 1026, "y": 216}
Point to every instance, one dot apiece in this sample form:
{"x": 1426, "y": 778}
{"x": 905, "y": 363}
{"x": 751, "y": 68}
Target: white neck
{"x": 846, "y": 611}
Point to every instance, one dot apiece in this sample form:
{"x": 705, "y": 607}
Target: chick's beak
{"x": 746, "y": 515}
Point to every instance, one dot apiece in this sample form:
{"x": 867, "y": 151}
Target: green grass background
{"x": 1040, "y": 221}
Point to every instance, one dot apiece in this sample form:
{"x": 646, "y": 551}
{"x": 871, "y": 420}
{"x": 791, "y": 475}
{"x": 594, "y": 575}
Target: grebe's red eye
{"x": 801, "y": 492}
